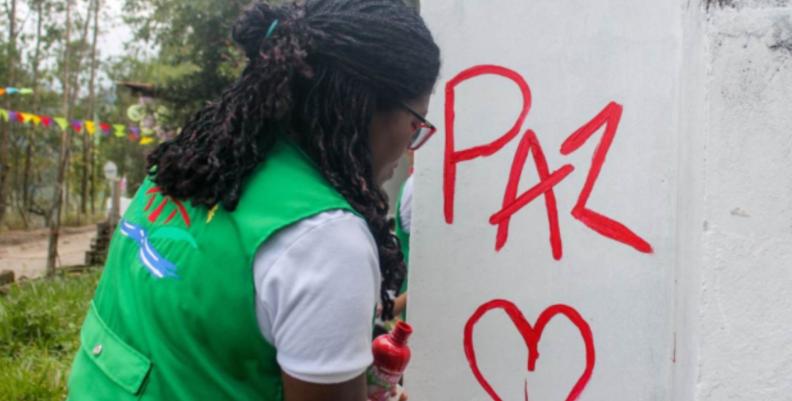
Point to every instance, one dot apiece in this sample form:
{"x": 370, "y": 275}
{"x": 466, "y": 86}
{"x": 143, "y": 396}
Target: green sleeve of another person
{"x": 404, "y": 239}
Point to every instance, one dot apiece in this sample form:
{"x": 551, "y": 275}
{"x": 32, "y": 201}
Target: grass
{"x": 39, "y": 334}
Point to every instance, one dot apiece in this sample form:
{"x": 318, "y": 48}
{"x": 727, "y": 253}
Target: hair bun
{"x": 250, "y": 29}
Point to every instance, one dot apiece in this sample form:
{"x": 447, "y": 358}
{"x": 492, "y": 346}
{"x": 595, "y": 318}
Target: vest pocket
{"x": 122, "y": 364}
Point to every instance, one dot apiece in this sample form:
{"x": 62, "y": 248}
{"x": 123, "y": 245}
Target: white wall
{"x": 699, "y": 168}
{"x": 577, "y": 57}
{"x": 745, "y": 308}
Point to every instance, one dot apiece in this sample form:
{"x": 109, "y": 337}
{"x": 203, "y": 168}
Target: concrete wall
{"x": 699, "y": 168}
{"x": 614, "y": 327}
{"x": 745, "y": 305}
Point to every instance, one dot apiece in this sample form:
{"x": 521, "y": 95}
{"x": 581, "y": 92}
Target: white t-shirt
{"x": 317, "y": 284}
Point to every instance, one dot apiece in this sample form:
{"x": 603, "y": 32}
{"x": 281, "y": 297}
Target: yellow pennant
{"x": 26, "y": 117}
{"x": 146, "y": 140}
{"x": 90, "y": 127}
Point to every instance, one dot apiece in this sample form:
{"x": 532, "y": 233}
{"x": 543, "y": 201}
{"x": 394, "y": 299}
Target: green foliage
{"x": 36, "y": 61}
{"x": 39, "y": 335}
{"x": 193, "y": 38}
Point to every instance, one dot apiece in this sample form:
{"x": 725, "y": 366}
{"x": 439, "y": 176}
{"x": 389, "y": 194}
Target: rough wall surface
{"x": 745, "y": 308}
{"x": 759, "y": 3}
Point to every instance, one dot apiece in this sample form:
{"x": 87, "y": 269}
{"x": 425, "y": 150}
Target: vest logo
{"x": 156, "y": 264}
{"x": 148, "y": 255}
{"x": 155, "y": 214}
{"x": 153, "y": 260}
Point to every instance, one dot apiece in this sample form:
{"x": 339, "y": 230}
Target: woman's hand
{"x": 398, "y": 393}
{"x": 399, "y": 304}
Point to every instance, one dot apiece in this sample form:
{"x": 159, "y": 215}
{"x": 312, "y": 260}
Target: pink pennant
{"x": 77, "y": 126}
{"x": 106, "y": 128}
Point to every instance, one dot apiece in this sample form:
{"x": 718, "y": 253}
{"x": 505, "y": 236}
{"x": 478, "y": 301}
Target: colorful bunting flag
{"x": 24, "y": 118}
{"x": 77, "y": 126}
{"x": 120, "y": 130}
{"x": 90, "y": 127}
{"x": 62, "y": 123}
{"x": 105, "y": 127}
{"x": 10, "y": 90}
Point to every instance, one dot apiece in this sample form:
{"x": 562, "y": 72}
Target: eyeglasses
{"x": 423, "y": 131}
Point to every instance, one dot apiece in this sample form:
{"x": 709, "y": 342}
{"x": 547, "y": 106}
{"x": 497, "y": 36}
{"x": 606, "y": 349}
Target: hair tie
{"x": 271, "y": 29}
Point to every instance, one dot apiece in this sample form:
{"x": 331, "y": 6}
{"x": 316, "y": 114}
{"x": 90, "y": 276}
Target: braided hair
{"x": 320, "y": 76}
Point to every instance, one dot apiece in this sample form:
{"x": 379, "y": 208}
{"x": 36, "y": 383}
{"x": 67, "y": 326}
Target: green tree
{"x": 11, "y": 56}
{"x": 193, "y": 38}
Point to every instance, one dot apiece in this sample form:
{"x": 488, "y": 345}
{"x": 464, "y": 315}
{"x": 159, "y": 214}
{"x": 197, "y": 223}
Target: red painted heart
{"x": 531, "y": 336}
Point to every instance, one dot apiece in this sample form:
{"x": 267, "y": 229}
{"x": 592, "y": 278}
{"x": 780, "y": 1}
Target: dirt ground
{"x": 25, "y": 252}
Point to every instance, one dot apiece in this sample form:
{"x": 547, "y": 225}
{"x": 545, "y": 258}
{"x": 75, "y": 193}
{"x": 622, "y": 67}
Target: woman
{"x": 249, "y": 264}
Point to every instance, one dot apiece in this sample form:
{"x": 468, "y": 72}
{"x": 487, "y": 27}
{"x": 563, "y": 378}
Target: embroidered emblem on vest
{"x": 211, "y": 213}
{"x": 148, "y": 255}
{"x": 156, "y": 213}
{"x": 157, "y": 265}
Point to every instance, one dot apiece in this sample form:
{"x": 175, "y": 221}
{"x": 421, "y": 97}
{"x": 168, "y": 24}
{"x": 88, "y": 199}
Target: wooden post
{"x": 57, "y": 198}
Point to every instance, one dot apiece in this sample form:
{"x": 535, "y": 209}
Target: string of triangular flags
{"x": 10, "y": 90}
{"x": 79, "y": 126}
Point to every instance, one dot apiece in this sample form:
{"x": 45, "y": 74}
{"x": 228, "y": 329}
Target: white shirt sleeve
{"x": 317, "y": 284}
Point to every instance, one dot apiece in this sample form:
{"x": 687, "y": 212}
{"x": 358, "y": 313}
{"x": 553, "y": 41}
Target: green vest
{"x": 174, "y": 316}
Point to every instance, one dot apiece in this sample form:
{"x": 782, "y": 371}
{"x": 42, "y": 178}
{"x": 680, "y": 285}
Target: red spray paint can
{"x": 391, "y": 356}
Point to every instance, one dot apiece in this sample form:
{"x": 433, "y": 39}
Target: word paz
{"x": 609, "y": 117}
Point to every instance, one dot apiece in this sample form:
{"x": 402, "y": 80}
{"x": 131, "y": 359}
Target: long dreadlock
{"x": 327, "y": 67}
